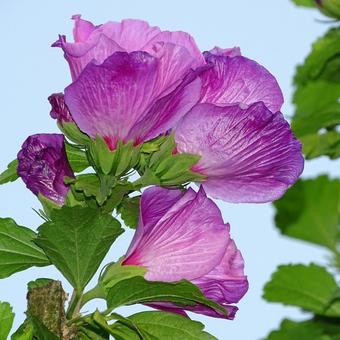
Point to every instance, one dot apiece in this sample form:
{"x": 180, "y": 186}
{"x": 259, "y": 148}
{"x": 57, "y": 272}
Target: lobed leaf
{"x": 6, "y": 319}
{"x": 17, "y": 249}
{"x": 309, "y": 287}
{"x": 76, "y": 241}
{"x": 310, "y": 211}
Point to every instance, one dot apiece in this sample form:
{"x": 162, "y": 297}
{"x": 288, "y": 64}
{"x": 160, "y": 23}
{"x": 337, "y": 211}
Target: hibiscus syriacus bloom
{"x": 183, "y": 236}
{"x": 43, "y": 165}
{"x": 135, "y": 82}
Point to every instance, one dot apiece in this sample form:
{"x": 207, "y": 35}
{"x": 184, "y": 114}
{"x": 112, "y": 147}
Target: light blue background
{"x": 274, "y": 33}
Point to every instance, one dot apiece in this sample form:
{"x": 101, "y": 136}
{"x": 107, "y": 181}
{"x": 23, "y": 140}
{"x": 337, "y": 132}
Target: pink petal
{"x": 226, "y": 283}
{"x": 248, "y": 155}
{"x": 239, "y": 80}
{"x": 97, "y": 48}
{"x": 186, "y": 243}
{"x": 227, "y": 52}
{"x": 118, "y": 99}
{"x": 181, "y": 39}
{"x": 82, "y": 28}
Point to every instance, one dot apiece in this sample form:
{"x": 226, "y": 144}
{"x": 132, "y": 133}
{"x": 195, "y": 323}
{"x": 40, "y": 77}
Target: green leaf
{"x": 315, "y": 329}
{"x": 309, "y": 287}
{"x": 320, "y": 63}
{"x": 77, "y": 158}
{"x": 325, "y": 144}
{"x": 162, "y": 325}
{"x": 113, "y": 273}
{"x": 138, "y": 290}
{"x": 317, "y": 107}
{"x": 17, "y": 250}
{"x": 129, "y": 211}
{"x": 310, "y": 211}
{"x": 317, "y": 98}
{"x": 38, "y": 283}
{"x": 76, "y": 240}
{"x": 304, "y": 3}
{"x": 6, "y": 319}
{"x": 10, "y": 174}
{"x": 41, "y": 332}
{"x": 24, "y": 332}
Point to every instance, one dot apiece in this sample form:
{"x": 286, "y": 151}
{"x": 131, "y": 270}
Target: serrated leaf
{"x": 325, "y": 144}
{"x": 10, "y": 174}
{"x": 310, "y": 211}
{"x": 24, "y": 332}
{"x": 317, "y": 107}
{"x": 38, "y": 283}
{"x": 138, "y": 290}
{"x": 309, "y": 287}
{"x": 305, "y": 3}
{"x": 317, "y": 98}
{"x": 6, "y": 319}
{"x": 162, "y": 325}
{"x": 315, "y": 329}
{"x": 41, "y": 332}
{"x": 325, "y": 51}
{"x": 17, "y": 249}
{"x": 129, "y": 211}
{"x": 76, "y": 157}
{"x": 76, "y": 240}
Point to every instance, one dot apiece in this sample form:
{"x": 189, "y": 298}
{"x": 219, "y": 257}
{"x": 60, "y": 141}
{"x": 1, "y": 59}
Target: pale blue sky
{"x": 274, "y": 33}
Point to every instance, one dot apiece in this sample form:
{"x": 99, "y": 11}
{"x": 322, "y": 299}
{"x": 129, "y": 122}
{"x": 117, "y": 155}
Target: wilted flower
{"x": 183, "y": 236}
{"x": 59, "y": 110}
{"x": 43, "y": 165}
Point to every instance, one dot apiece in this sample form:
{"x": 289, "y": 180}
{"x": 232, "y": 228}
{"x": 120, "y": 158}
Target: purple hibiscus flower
{"x": 183, "y": 236}
{"x": 43, "y": 165}
{"x": 135, "y": 82}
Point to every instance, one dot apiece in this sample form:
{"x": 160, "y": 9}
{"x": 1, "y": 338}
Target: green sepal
{"x": 77, "y": 157}
{"x": 72, "y": 132}
{"x": 165, "y": 167}
{"x": 129, "y": 211}
{"x": 10, "y": 174}
{"x": 111, "y": 275}
{"x": 113, "y": 162}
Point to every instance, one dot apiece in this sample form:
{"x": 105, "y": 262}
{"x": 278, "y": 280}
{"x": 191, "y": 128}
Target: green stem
{"x": 96, "y": 292}
{"x": 75, "y": 304}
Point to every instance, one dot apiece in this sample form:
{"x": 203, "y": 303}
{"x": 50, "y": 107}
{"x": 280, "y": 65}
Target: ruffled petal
{"x": 43, "y": 165}
{"x": 248, "y": 155}
{"x": 239, "y": 80}
{"x": 227, "y": 52}
{"x": 96, "y": 49}
{"x": 181, "y": 39}
{"x": 82, "y": 28}
{"x": 226, "y": 283}
{"x": 108, "y": 99}
{"x": 112, "y": 98}
{"x": 186, "y": 243}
